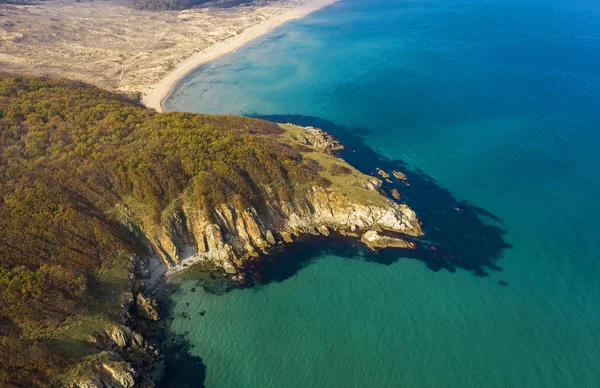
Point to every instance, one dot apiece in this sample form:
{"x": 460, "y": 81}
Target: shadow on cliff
{"x": 458, "y": 235}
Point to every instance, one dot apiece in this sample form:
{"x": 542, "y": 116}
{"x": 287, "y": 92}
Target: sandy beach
{"x": 114, "y": 46}
{"x": 155, "y": 95}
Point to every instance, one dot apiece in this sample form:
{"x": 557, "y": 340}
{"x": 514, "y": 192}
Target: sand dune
{"x": 113, "y": 46}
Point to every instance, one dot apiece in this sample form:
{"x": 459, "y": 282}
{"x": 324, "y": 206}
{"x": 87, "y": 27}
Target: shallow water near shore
{"x": 491, "y": 110}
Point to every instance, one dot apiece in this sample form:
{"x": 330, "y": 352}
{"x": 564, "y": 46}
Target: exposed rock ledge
{"x": 147, "y": 308}
{"x": 124, "y": 350}
{"x": 233, "y": 234}
{"x": 320, "y": 140}
{"x": 374, "y": 241}
{"x": 238, "y": 234}
{"x": 110, "y": 372}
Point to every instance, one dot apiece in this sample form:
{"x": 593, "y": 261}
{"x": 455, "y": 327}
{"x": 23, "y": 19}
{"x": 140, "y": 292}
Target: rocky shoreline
{"x": 128, "y": 353}
{"x": 232, "y": 237}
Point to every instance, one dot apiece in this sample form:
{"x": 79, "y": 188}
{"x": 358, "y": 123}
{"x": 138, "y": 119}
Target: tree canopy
{"x": 70, "y": 153}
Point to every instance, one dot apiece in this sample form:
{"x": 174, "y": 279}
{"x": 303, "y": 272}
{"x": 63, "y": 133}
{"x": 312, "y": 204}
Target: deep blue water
{"x": 491, "y": 108}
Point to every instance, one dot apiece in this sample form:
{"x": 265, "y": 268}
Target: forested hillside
{"x": 69, "y": 154}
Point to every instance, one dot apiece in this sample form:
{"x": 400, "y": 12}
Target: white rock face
{"x": 375, "y": 241}
{"x": 238, "y": 234}
{"x": 337, "y": 213}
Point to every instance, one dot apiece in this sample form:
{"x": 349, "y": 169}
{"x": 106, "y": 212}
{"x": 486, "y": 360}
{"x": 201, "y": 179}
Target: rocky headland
{"x": 102, "y": 196}
{"x": 352, "y": 205}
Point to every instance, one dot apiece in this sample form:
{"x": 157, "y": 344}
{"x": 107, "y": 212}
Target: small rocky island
{"x": 96, "y": 188}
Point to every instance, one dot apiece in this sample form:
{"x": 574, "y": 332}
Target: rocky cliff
{"x": 349, "y": 204}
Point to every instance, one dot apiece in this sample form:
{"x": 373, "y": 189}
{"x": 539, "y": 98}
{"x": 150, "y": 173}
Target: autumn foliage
{"x": 69, "y": 153}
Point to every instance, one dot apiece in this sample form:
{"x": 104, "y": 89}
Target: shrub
{"x": 339, "y": 170}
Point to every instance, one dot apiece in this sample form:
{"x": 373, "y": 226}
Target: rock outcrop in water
{"x": 376, "y": 241}
{"x": 146, "y": 307}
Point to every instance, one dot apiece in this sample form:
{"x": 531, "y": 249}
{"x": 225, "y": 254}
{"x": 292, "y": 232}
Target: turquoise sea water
{"x": 492, "y": 108}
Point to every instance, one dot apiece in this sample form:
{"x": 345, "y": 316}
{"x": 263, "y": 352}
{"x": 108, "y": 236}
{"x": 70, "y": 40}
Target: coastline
{"x": 154, "y": 96}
